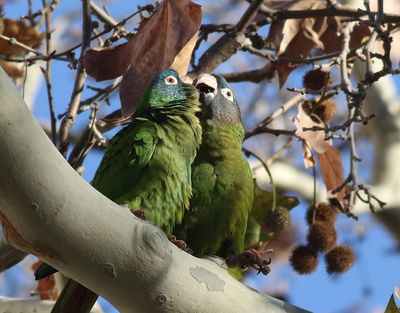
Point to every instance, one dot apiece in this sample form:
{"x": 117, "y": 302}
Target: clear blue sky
{"x": 365, "y": 288}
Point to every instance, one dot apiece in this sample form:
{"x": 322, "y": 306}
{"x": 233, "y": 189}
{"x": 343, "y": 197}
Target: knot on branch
{"x": 154, "y": 252}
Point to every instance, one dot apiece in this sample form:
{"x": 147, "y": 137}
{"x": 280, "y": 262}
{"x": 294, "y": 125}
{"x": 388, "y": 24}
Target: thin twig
{"x": 261, "y": 127}
{"x": 47, "y": 75}
{"x": 80, "y": 77}
{"x": 228, "y": 44}
{"x": 330, "y": 11}
{"x": 271, "y": 180}
{"x": 15, "y": 42}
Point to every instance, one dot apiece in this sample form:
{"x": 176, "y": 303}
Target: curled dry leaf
{"x": 316, "y": 139}
{"x": 331, "y": 168}
{"x": 295, "y": 38}
{"x": 153, "y": 48}
{"x": 23, "y": 33}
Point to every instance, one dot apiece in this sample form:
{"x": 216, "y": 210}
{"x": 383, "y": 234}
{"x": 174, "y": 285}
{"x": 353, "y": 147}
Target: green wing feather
{"x": 124, "y": 161}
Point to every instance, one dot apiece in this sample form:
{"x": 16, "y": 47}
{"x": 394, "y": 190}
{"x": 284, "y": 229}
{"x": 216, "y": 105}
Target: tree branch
{"x": 228, "y": 44}
{"x": 12, "y": 305}
{"x": 48, "y": 210}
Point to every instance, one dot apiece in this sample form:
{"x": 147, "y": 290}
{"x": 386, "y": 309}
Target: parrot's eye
{"x": 227, "y": 93}
{"x": 171, "y": 80}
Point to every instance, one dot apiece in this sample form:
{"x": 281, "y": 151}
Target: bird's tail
{"x": 44, "y": 270}
{"x": 74, "y": 298}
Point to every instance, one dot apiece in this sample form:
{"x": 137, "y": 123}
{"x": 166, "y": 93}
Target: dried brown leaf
{"x": 331, "y": 168}
{"x": 13, "y": 70}
{"x": 316, "y": 139}
{"x": 296, "y": 38}
{"x": 152, "y": 49}
{"x": 182, "y": 59}
{"x": 22, "y": 32}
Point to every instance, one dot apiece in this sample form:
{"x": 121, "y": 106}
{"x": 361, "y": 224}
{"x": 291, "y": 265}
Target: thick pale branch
{"x": 47, "y": 209}
{"x": 12, "y": 305}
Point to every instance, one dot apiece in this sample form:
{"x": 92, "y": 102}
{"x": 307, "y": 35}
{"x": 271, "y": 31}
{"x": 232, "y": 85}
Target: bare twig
{"x": 264, "y": 164}
{"x": 228, "y": 44}
{"x": 262, "y": 126}
{"x": 88, "y": 140}
{"x": 102, "y": 15}
{"x": 380, "y": 17}
{"x": 69, "y": 120}
{"x": 277, "y": 154}
{"x": 14, "y": 41}
{"x": 329, "y": 11}
{"x": 255, "y": 76}
{"x": 47, "y": 75}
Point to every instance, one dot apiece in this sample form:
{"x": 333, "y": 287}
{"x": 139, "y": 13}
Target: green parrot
{"x": 147, "y": 166}
{"x": 222, "y": 183}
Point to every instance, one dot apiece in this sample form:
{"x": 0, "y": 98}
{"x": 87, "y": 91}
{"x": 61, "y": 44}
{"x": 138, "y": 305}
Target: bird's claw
{"x": 251, "y": 258}
{"x": 139, "y": 214}
{"x": 181, "y": 244}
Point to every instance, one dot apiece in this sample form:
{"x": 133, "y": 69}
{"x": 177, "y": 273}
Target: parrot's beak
{"x": 207, "y": 86}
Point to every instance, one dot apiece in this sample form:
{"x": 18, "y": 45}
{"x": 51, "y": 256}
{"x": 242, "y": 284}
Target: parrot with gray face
{"x": 147, "y": 166}
{"x": 222, "y": 182}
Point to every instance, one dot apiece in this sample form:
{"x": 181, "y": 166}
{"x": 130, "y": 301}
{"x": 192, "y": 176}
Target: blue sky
{"x": 365, "y": 288}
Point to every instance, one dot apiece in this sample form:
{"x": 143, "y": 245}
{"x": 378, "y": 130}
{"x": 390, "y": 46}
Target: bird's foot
{"x": 251, "y": 258}
{"x": 139, "y": 214}
{"x": 181, "y": 244}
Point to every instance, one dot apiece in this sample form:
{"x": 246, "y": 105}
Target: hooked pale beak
{"x": 207, "y": 86}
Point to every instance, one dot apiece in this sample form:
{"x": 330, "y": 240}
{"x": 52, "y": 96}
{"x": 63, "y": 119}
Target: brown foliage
{"x": 316, "y": 139}
{"x": 320, "y": 109}
{"x": 331, "y": 168}
{"x": 22, "y": 32}
{"x": 296, "y": 38}
{"x": 154, "y": 47}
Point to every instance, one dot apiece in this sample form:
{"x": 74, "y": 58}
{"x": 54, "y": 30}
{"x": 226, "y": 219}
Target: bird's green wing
{"x": 127, "y": 155}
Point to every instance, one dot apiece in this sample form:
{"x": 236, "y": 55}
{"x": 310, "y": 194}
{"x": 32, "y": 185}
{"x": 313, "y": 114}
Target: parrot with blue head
{"x": 147, "y": 166}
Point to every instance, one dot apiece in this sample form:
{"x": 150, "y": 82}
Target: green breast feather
{"x": 221, "y": 179}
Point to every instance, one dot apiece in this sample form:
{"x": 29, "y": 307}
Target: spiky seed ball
{"x": 325, "y": 110}
{"x": 277, "y": 220}
{"x": 322, "y": 236}
{"x": 317, "y": 79}
{"x": 304, "y": 260}
{"x": 339, "y": 259}
{"x": 321, "y": 212}
{"x": 320, "y": 110}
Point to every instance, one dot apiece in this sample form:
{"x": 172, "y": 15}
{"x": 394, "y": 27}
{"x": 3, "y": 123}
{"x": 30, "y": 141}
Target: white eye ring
{"x": 227, "y": 93}
{"x": 170, "y": 80}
